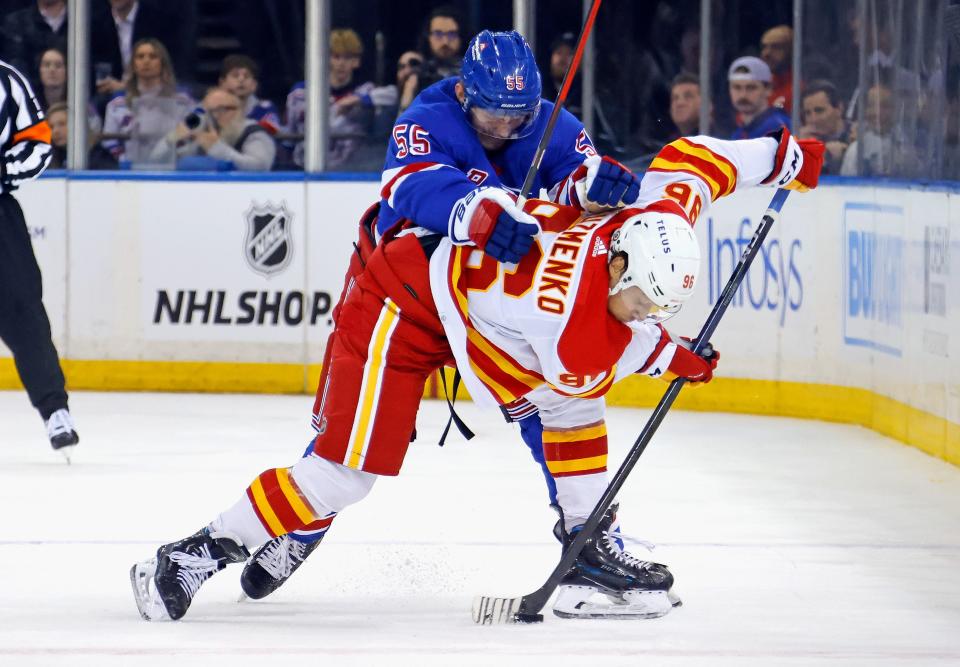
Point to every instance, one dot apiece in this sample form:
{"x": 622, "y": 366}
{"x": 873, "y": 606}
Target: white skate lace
{"x": 281, "y": 556}
{"x": 194, "y": 569}
{"x": 610, "y": 541}
{"x": 59, "y": 422}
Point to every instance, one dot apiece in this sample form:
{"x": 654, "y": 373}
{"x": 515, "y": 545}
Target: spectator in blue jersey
{"x": 353, "y": 106}
{"x": 749, "y": 83}
{"x": 240, "y": 75}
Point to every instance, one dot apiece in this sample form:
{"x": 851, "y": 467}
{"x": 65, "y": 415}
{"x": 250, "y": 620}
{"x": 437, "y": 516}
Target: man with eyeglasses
{"x": 442, "y": 42}
{"x": 221, "y": 131}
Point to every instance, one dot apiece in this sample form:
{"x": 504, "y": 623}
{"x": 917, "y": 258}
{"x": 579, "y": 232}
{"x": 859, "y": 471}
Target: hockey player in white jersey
{"x": 582, "y": 309}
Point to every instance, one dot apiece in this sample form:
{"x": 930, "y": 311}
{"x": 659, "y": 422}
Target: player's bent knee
{"x": 330, "y": 486}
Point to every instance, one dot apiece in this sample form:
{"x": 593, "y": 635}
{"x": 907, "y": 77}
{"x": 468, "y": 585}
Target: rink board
{"x": 223, "y": 286}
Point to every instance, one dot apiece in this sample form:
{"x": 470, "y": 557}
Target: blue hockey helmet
{"x": 501, "y": 84}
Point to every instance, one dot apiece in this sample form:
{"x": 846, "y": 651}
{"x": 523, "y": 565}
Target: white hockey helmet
{"x": 663, "y": 259}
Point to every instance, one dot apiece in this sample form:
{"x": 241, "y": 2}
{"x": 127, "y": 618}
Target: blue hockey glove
{"x": 491, "y": 220}
{"x": 604, "y": 183}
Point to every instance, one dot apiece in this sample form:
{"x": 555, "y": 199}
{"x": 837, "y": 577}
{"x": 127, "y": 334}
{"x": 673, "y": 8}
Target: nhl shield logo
{"x": 268, "y": 246}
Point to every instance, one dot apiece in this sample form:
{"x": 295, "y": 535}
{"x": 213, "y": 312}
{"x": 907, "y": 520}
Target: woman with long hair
{"x": 149, "y": 107}
{"x": 52, "y": 76}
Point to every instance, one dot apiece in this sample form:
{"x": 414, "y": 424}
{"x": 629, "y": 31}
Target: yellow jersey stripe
{"x": 665, "y": 165}
{"x": 706, "y": 154}
{"x": 369, "y": 390}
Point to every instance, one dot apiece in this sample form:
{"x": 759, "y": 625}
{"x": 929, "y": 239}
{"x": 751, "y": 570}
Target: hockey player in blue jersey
{"x": 465, "y": 141}
{"x": 456, "y": 160}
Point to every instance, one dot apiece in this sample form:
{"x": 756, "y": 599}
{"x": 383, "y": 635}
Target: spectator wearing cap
{"x": 823, "y": 119}
{"x": 749, "y": 84}
{"x": 776, "y": 49}
{"x": 240, "y": 75}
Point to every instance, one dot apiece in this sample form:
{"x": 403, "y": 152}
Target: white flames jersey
{"x": 543, "y": 323}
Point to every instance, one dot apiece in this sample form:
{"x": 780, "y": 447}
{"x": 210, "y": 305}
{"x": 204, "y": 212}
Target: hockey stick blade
{"x": 488, "y": 610}
{"x": 494, "y": 611}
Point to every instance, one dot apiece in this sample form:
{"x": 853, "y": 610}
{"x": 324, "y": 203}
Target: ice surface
{"x": 792, "y": 542}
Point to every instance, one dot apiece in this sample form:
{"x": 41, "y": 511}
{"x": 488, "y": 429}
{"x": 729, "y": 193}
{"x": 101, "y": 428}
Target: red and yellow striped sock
{"x": 578, "y": 451}
{"x": 280, "y": 504}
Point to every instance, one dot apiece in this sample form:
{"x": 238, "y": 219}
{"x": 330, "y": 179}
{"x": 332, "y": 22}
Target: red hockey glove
{"x": 489, "y": 218}
{"x": 696, "y": 368}
{"x": 797, "y": 164}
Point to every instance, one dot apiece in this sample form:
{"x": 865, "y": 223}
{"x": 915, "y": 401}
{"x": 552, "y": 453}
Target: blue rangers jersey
{"x": 434, "y": 159}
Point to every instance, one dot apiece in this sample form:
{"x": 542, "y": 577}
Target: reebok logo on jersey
{"x": 599, "y": 247}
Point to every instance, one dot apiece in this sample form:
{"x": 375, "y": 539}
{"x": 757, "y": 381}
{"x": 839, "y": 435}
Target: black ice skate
{"x": 627, "y": 586}
{"x": 273, "y": 564}
{"x": 163, "y": 587}
{"x": 62, "y": 433}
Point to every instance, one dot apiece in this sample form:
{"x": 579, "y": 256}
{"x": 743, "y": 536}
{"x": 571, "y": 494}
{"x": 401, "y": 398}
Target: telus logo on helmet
{"x": 515, "y": 82}
{"x": 664, "y": 241}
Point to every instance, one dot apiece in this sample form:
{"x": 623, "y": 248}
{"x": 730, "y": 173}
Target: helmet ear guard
{"x": 662, "y": 259}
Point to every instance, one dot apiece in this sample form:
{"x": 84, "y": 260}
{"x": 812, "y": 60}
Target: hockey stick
{"x": 489, "y": 610}
{"x": 558, "y": 104}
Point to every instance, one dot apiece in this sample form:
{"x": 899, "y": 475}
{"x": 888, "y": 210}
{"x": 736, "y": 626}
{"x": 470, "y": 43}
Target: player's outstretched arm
{"x": 696, "y": 171}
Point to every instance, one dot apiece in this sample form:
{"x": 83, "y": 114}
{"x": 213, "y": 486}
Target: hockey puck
{"x": 528, "y": 618}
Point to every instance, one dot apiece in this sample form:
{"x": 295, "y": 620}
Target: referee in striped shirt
{"x": 24, "y": 154}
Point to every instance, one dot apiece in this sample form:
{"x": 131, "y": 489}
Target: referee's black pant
{"x": 24, "y": 326}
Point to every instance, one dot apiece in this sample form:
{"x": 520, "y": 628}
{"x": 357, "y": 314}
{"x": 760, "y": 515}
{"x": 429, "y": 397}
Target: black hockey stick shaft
{"x": 530, "y": 605}
{"x": 558, "y": 104}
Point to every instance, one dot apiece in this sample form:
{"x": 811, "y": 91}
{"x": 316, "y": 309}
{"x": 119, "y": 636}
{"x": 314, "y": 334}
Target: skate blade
{"x": 675, "y": 600}
{"x": 66, "y": 453}
{"x": 145, "y": 592}
{"x": 581, "y": 602}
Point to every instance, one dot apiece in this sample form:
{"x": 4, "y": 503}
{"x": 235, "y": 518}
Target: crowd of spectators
{"x": 142, "y": 115}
